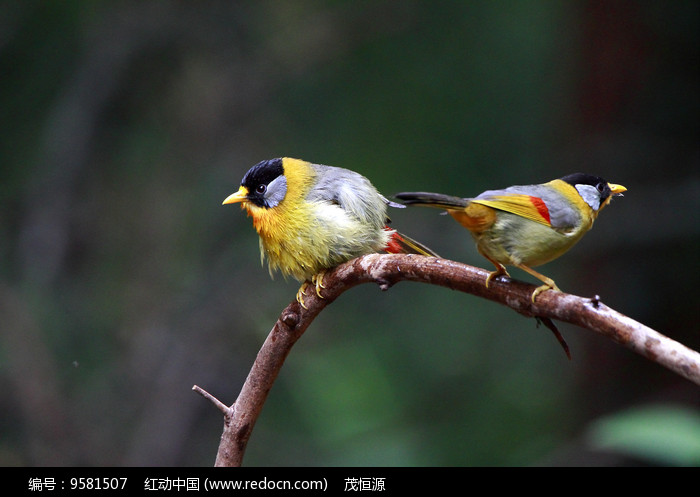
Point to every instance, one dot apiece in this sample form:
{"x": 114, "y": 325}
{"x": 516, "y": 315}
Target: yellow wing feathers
{"x": 527, "y": 206}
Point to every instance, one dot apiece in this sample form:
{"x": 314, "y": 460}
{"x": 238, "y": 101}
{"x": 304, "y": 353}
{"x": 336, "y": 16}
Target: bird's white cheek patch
{"x": 276, "y": 191}
{"x": 590, "y": 195}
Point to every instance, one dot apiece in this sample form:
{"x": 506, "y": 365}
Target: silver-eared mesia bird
{"x": 311, "y": 218}
{"x": 526, "y": 226}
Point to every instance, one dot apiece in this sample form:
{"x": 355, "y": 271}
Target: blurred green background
{"x": 124, "y": 281}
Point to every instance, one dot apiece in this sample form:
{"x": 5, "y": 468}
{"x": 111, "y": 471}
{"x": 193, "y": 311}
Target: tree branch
{"x": 387, "y": 270}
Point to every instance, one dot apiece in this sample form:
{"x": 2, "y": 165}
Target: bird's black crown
{"x": 588, "y": 179}
{"x": 259, "y": 177}
{"x": 262, "y": 173}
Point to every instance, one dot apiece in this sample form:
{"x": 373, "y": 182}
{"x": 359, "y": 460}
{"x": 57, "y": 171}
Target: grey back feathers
{"x": 351, "y": 191}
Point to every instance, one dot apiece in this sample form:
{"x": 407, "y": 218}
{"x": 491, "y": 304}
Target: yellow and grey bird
{"x": 312, "y": 217}
{"x": 526, "y": 226}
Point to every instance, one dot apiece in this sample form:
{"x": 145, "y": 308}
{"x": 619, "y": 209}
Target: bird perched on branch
{"x": 526, "y": 226}
{"x": 311, "y": 218}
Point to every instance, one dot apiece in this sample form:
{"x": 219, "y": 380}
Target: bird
{"x": 312, "y": 217}
{"x": 526, "y": 225}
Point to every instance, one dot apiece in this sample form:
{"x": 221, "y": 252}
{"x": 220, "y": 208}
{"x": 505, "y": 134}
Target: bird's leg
{"x": 300, "y": 293}
{"x": 548, "y": 282}
{"x": 500, "y": 269}
{"x": 317, "y": 280}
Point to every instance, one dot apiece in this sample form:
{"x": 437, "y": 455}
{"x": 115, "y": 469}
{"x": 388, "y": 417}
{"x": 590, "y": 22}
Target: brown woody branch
{"x": 387, "y": 270}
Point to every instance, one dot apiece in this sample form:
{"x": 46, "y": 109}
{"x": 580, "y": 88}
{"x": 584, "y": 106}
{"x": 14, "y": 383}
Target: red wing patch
{"x": 541, "y": 208}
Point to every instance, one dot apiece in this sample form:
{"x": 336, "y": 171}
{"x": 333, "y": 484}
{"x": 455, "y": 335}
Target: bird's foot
{"x": 543, "y": 288}
{"x": 493, "y": 274}
{"x": 548, "y": 282}
{"x": 317, "y": 280}
{"x": 300, "y": 293}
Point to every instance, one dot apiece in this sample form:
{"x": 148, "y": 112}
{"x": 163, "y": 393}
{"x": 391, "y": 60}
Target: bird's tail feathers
{"x": 402, "y": 244}
{"x": 428, "y": 199}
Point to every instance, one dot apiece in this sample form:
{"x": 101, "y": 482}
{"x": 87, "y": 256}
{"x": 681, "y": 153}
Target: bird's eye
{"x": 260, "y": 189}
{"x": 601, "y": 187}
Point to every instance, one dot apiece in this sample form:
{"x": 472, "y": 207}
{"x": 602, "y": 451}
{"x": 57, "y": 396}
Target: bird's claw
{"x": 317, "y": 281}
{"x": 494, "y": 274}
{"x": 300, "y": 294}
{"x": 543, "y": 288}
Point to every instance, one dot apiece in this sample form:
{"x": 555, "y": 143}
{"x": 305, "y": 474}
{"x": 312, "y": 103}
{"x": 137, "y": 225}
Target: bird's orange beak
{"x": 615, "y": 189}
{"x": 240, "y": 196}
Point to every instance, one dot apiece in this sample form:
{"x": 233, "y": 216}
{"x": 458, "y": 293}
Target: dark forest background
{"x": 124, "y": 281}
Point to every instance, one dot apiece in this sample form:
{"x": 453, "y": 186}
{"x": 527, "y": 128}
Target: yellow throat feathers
{"x": 277, "y": 224}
